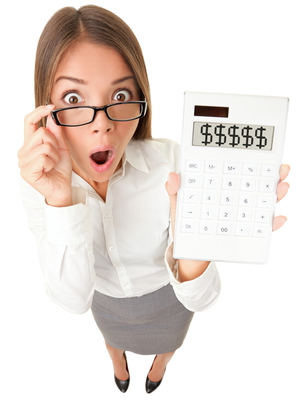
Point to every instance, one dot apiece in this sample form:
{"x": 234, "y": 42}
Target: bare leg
{"x": 159, "y": 366}
{"x": 119, "y": 362}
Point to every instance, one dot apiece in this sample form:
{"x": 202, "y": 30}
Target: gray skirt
{"x": 155, "y": 323}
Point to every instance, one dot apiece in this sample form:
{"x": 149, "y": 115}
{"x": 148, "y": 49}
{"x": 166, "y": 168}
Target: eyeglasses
{"x": 83, "y": 115}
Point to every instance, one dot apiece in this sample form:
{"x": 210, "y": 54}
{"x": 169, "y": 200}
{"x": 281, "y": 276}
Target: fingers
{"x": 172, "y": 187}
{"x": 278, "y": 222}
{"x": 34, "y": 171}
{"x": 42, "y": 145}
{"x": 173, "y": 184}
{"x": 283, "y": 187}
{"x": 40, "y": 136}
{"x": 39, "y": 154}
{"x": 284, "y": 171}
{"x": 32, "y": 119}
{"x": 38, "y": 145}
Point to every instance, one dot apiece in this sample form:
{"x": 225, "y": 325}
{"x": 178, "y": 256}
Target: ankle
{"x": 120, "y": 368}
{"x": 157, "y": 370}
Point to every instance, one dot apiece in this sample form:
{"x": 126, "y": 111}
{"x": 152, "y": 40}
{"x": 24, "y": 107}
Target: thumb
{"x": 172, "y": 187}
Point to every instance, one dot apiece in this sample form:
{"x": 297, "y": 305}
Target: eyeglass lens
{"x": 78, "y": 116}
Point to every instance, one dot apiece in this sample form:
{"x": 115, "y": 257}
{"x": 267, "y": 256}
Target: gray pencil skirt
{"x": 155, "y": 323}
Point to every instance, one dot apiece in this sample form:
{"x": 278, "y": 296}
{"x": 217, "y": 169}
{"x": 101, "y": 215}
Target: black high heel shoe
{"x": 151, "y": 386}
{"x": 123, "y": 385}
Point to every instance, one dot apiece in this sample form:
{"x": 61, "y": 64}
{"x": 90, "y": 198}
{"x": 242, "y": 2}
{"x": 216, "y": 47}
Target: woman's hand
{"x": 44, "y": 159}
{"x": 192, "y": 269}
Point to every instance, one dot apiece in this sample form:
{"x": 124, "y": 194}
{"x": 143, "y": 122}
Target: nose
{"x": 101, "y": 123}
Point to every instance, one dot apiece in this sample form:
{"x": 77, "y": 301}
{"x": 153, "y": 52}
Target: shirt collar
{"x": 134, "y": 156}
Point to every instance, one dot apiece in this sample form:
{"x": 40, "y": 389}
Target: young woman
{"x": 94, "y": 187}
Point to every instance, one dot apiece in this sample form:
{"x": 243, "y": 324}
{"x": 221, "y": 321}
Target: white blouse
{"x": 120, "y": 247}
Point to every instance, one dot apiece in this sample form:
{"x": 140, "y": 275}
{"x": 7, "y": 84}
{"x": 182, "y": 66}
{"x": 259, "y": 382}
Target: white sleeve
{"x": 65, "y": 247}
{"x": 198, "y": 294}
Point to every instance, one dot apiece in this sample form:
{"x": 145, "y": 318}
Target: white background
{"x": 247, "y": 345}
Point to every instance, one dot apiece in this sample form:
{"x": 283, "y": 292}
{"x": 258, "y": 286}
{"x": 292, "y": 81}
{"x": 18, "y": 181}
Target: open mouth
{"x": 102, "y": 160}
{"x": 102, "y": 157}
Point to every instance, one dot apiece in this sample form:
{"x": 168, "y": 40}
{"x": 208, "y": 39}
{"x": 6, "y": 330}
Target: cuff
{"x": 197, "y": 294}
{"x": 68, "y": 225}
{"x": 172, "y": 265}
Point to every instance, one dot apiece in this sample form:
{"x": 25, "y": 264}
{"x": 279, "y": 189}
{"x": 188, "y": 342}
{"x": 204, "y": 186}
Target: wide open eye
{"x": 72, "y": 98}
{"x": 123, "y": 95}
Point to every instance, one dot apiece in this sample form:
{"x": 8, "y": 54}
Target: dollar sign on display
{"x": 208, "y": 136}
{"x": 247, "y": 136}
{"x": 222, "y": 137}
{"x": 235, "y": 137}
{"x": 262, "y": 139}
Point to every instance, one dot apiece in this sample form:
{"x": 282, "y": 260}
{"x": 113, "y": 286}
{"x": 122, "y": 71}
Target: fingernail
{"x": 50, "y": 106}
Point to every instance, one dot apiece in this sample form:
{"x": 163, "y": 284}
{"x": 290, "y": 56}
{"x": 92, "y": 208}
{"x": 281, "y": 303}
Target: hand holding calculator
{"x": 231, "y": 153}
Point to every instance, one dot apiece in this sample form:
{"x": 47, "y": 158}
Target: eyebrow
{"x": 70, "y": 78}
{"x": 82, "y": 82}
{"x": 123, "y": 79}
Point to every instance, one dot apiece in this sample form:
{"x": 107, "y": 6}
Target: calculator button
{"x": 264, "y": 201}
{"x": 242, "y": 230}
{"x": 244, "y": 215}
{"x": 212, "y": 167}
{"x": 246, "y": 200}
{"x": 227, "y": 199}
{"x": 268, "y": 170}
{"x": 191, "y": 196}
{"x": 226, "y": 214}
{"x": 230, "y": 168}
{"x": 262, "y": 216}
{"x": 229, "y": 184}
{"x": 260, "y": 231}
{"x": 209, "y": 198}
{"x": 248, "y": 185}
{"x": 192, "y": 165}
{"x": 266, "y": 186}
{"x": 249, "y": 169}
{"x": 224, "y": 229}
{"x": 210, "y": 182}
{"x": 207, "y": 228}
{"x": 188, "y": 226}
{"x": 189, "y": 211}
{"x": 191, "y": 181}
{"x": 208, "y": 212}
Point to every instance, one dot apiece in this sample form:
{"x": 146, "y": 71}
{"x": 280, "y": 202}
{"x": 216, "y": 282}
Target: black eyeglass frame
{"x": 96, "y": 109}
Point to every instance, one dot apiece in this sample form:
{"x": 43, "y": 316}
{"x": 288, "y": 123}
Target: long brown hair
{"x": 97, "y": 25}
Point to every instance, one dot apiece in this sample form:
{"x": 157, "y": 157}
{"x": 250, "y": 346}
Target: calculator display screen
{"x": 235, "y": 136}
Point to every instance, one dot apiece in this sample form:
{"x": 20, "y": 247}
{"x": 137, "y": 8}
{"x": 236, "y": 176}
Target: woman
{"x": 94, "y": 190}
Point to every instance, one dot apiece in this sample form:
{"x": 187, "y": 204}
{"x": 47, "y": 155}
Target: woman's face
{"x": 95, "y": 75}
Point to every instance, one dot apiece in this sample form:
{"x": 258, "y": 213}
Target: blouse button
{"x": 111, "y": 248}
{"x": 108, "y": 217}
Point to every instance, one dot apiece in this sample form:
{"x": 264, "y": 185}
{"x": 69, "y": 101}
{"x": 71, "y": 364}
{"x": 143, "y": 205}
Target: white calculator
{"x": 231, "y": 153}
